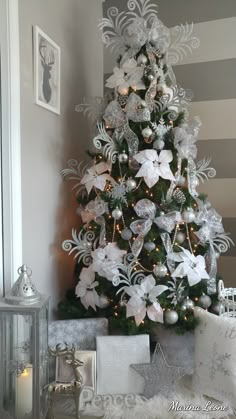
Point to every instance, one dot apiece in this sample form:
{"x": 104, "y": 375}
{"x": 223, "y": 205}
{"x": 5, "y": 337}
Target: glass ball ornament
{"x": 126, "y": 234}
{"x": 142, "y": 59}
{"x": 204, "y": 301}
{"x": 123, "y": 89}
{"x": 181, "y": 181}
{"x": 146, "y": 132}
{"x": 151, "y": 77}
{"x": 180, "y": 237}
{"x": 159, "y": 144}
{"x": 149, "y": 246}
{"x": 123, "y": 157}
{"x": 131, "y": 184}
{"x": 117, "y": 213}
{"x": 217, "y": 308}
{"x": 187, "y": 304}
{"x": 160, "y": 270}
{"x": 104, "y": 301}
{"x": 171, "y": 316}
{"x": 188, "y": 215}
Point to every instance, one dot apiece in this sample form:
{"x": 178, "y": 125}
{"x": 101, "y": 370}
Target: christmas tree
{"x": 148, "y": 243}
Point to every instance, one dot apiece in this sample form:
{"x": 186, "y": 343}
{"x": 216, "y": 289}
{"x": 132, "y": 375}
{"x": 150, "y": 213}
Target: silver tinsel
{"x": 159, "y": 376}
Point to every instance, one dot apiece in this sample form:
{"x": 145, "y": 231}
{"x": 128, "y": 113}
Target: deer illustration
{"x": 47, "y": 63}
{"x": 75, "y": 386}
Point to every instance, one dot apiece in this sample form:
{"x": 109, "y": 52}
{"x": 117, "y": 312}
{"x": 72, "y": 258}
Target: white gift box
{"x": 115, "y": 354}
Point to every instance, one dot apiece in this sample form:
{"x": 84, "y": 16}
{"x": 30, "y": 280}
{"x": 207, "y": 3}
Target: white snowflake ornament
{"x": 154, "y": 166}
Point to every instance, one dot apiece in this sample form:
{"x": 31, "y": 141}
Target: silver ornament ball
{"x": 171, "y": 316}
{"x": 217, "y": 308}
{"x": 146, "y": 132}
{"x": 180, "y": 237}
{"x": 142, "y": 59}
{"x": 150, "y": 77}
{"x": 187, "y": 304}
{"x": 159, "y": 144}
{"x": 131, "y": 184}
{"x": 126, "y": 234}
{"x": 149, "y": 246}
{"x": 181, "y": 181}
{"x": 160, "y": 270}
{"x": 117, "y": 213}
{"x": 188, "y": 215}
{"x": 123, "y": 157}
{"x": 104, "y": 301}
{"x": 204, "y": 301}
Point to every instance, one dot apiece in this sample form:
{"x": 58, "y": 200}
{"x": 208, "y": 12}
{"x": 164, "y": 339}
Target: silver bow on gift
{"x": 118, "y": 118}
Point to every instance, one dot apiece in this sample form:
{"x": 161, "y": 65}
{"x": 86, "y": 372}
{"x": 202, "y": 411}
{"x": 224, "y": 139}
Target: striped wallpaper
{"x": 211, "y": 74}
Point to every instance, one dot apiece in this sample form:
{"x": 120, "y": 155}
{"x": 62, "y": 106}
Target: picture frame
{"x": 47, "y": 72}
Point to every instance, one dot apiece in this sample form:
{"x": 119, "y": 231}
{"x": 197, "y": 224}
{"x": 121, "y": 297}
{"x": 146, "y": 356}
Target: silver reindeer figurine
{"x": 74, "y": 387}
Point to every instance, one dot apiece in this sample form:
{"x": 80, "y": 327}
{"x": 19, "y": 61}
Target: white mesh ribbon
{"x": 168, "y": 221}
{"x": 145, "y": 209}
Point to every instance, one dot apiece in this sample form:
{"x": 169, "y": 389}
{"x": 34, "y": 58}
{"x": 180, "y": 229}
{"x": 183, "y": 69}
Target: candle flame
{"x": 25, "y": 372}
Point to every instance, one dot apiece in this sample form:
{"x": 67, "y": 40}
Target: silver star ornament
{"x": 159, "y": 376}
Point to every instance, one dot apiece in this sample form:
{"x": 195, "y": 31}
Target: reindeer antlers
{"x": 58, "y": 351}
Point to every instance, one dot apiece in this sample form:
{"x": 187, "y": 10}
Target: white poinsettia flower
{"x": 141, "y": 295}
{"x": 129, "y": 75}
{"x": 106, "y": 260}
{"x": 194, "y": 267}
{"x": 185, "y": 143}
{"x": 154, "y": 165}
{"x": 85, "y": 288}
{"x": 97, "y": 177}
{"x": 94, "y": 209}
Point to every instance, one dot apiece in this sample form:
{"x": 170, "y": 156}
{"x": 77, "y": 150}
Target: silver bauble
{"x": 104, "y": 301}
{"x": 180, "y": 237}
{"x": 150, "y": 77}
{"x": 159, "y": 144}
{"x": 123, "y": 157}
{"x": 181, "y": 181}
{"x": 146, "y": 132}
{"x": 149, "y": 246}
{"x": 187, "y": 304}
{"x": 204, "y": 301}
{"x": 160, "y": 270}
{"x": 188, "y": 215}
{"x": 142, "y": 59}
{"x": 171, "y": 316}
{"x": 126, "y": 234}
{"x": 131, "y": 184}
{"x": 217, "y": 254}
{"x": 117, "y": 213}
{"x": 217, "y": 308}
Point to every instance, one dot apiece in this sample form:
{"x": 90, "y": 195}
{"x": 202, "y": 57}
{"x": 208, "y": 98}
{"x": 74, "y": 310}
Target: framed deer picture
{"x": 47, "y": 60}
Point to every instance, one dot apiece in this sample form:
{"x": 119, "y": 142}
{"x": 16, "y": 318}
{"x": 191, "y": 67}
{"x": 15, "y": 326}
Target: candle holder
{"x": 24, "y": 351}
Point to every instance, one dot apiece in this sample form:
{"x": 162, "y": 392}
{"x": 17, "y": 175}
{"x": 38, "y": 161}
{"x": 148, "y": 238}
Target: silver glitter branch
{"x": 75, "y": 171}
{"x": 203, "y": 171}
{"x": 93, "y": 107}
{"x": 82, "y": 244}
{"x": 144, "y": 9}
{"x": 105, "y": 143}
{"x": 183, "y": 42}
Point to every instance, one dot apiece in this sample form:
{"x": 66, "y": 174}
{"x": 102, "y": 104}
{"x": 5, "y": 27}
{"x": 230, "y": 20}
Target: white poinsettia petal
{"x": 140, "y": 85}
{"x": 165, "y": 156}
{"x": 146, "y": 155}
{"x": 80, "y": 290}
{"x": 87, "y": 275}
{"x": 151, "y": 181}
{"x": 193, "y": 277}
{"x": 114, "y": 252}
{"x": 140, "y": 316}
{"x": 165, "y": 172}
{"x": 90, "y": 299}
{"x": 146, "y": 169}
{"x": 175, "y": 256}
{"x": 129, "y": 65}
{"x": 155, "y": 313}
{"x": 181, "y": 271}
{"x": 158, "y": 290}
{"x": 147, "y": 284}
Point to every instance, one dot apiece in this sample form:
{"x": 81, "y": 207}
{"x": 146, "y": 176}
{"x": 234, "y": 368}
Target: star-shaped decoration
{"x": 159, "y": 376}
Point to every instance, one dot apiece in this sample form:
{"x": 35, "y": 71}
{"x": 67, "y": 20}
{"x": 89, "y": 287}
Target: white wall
{"x": 49, "y": 140}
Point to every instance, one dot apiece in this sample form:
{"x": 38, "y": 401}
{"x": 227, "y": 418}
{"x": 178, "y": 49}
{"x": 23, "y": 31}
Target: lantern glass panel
{"x": 17, "y": 380}
{"x": 43, "y": 358}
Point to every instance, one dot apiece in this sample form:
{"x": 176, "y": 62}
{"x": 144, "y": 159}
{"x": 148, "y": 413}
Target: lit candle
{"x": 24, "y": 393}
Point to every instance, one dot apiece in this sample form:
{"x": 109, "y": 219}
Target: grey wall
{"x": 210, "y": 73}
{"x": 49, "y": 140}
